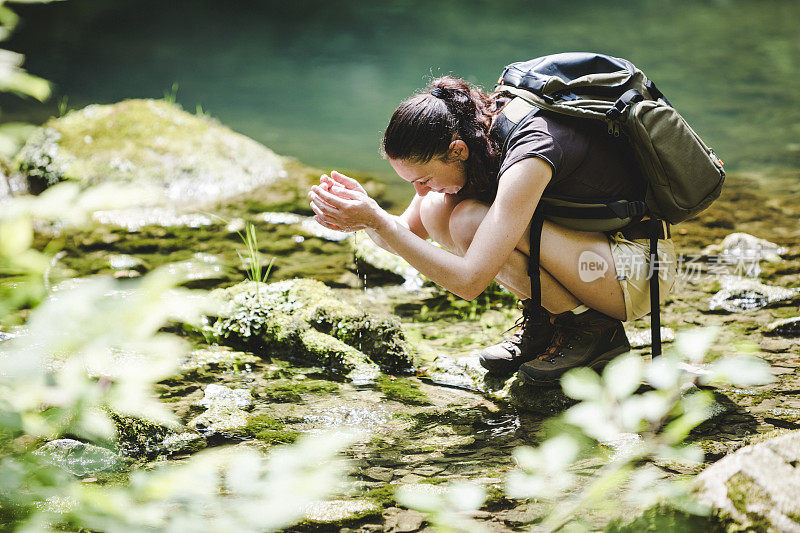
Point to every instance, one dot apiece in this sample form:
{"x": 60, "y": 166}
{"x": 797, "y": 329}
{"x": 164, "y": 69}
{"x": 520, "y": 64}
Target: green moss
{"x": 743, "y": 490}
{"x": 663, "y": 518}
{"x": 137, "y": 437}
{"x": 264, "y": 427}
{"x": 433, "y": 480}
{"x": 496, "y": 499}
{"x": 382, "y": 496}
{"x": 402, "y": 390}
{"x": 305, "y": 320}
{"x": 292, "y": 391}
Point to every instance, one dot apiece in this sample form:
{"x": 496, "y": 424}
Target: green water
{"x": 319, "y": 79}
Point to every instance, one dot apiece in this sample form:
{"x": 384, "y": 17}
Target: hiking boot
{"x": 588, "y": 339}
{"x": 533, "y": 335}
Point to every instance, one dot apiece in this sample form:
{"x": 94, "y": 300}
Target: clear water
{"x": 319, "y": 79}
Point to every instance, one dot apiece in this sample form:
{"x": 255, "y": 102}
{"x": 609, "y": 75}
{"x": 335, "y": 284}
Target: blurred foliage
{"x": 93, "y": 348}
{"x": 635, "y": 433}
{"x": 96, "y": 346}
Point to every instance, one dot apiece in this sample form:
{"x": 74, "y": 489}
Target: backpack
{"x": 683, "y": 176}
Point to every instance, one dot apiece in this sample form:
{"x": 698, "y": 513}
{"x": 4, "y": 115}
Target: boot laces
{"x": 565, "y": 331}
{"x": 521, "y": 324}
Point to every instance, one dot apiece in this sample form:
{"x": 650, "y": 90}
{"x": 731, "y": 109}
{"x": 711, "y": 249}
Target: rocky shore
{"x": 344, "y": 335}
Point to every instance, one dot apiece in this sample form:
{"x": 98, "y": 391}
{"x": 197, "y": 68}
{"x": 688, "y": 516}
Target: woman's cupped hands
{"x": 341, "y": 203}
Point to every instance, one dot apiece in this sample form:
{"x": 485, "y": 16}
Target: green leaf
{"x": 558, "y": 452}
{"x": 27, "y": 84}
{"x": 582, "y": 383}
{"x": 623, "y": 375}
{"x": 593, "y": 420}
{"x": 697, "y": 409}
{"x": 740, "y": 371}
{"x": 663, "y": 372}
{"x": 695, "y": 343}
{"x": 16, "y": 236}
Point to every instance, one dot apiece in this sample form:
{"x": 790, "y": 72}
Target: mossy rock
{"x": 663, "y": 518}
{"x": 191, "y": 160}
{"x": 265, "y": 428}
{"x": 305, "y": 321}
{"x": 136, "y": 437}
{"x": 402, "y": 390}
{"x": 756, "y": 488}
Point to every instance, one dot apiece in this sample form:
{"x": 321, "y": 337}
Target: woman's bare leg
{"x": 454, "y": 224}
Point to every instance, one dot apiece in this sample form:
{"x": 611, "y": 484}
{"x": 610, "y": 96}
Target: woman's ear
{"x": 457, "y": 151}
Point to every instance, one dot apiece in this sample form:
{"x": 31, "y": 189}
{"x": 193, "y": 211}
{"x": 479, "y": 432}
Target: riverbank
{"x": 414, "y": 429}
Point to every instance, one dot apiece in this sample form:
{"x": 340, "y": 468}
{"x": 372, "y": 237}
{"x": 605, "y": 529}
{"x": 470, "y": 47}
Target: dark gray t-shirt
{"x": 587, "y": 162}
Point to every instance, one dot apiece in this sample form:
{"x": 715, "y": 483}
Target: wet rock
{"x": 758, "y": 487}
{"x": 225, "y": 411}
{"x": 379, "y": 473}
{"x": 787, "y": 327}
{"x": 41, "y": 160}
{"x": 306, "y": 224}
{"x": 640, "y": 338}
{"x": 742, "y": 294}
{"x": 743, "y": 246}
{"x": 535, "y": 399}
{"x": 219, "y": 394}
{"x": 466, "y": 373}
{"x": 775, "y": 345}
{"x": 126, "y": 262}
{"x": 183, "y": 443}
{"x": 136, "y": 437}
{"x": 378, "y": 266}
{"x": 340, "y": 510}
{"x": 188, "y": 159}
{"x": 135, "y": 218}
{"x": 222, "y": 418}
{"x": 78, "y": 458}
{"x": 404, "y": 521}
{"x": 461, "y": 372}
{"x": 304, "y": 320}
{"x": 218, "y": 359}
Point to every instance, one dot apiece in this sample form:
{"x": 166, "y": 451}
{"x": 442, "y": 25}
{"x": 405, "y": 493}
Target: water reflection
{"x": 318, "y": 80}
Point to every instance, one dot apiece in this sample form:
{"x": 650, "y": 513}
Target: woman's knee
{"x": 464, "y": 222}
{"x": 434, "y": 212}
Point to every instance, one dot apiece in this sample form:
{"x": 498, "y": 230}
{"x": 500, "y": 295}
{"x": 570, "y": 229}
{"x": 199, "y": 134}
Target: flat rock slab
{"x": 757, "y": 487}
{"x": 78, "y": 458}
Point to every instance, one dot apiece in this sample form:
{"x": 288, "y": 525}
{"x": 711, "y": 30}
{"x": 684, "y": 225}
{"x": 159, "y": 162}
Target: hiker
{"x": 478, "y": 204}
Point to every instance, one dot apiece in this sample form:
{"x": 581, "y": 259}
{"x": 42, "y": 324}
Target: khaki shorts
{"x": 632, "y": 261}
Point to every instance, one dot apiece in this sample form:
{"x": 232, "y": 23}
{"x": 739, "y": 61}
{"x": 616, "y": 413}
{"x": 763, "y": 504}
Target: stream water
{"x": 318, "y": 80}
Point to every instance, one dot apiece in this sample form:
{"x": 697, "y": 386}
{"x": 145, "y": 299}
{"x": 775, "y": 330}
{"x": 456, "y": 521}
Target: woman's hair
{"x": 424, "y": 125}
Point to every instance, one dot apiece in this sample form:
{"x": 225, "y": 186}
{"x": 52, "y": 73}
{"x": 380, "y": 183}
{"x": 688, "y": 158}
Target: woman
{"x": 478, "y": 204}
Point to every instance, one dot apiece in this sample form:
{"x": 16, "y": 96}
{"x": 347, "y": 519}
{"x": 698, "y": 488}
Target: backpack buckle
{"x": 632, "y": 210}
{"x": 628, "y": 98}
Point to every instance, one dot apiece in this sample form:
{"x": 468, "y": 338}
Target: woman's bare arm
{"x": 519, "y": 191}
{"x": 409, "y": 219}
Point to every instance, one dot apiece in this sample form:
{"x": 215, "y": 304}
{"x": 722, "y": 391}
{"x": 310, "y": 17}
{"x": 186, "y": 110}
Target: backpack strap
{"x": 508, "y": 120}
{"x": 533, "y": 261}
{"x": 655, "y": 302}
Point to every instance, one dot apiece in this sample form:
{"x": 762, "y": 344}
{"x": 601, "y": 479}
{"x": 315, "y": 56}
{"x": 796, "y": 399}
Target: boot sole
{"x": 596, "y": 364}
{"x": 498, "y": 367}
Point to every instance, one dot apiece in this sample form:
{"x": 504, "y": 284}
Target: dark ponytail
{"x": 424, "y": 125}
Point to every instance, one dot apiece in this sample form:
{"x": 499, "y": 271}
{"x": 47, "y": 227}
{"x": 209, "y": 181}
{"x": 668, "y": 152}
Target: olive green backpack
{"x": 683, "y": 175}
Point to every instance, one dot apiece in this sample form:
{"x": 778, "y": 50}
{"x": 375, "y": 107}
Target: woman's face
{"x": 435, "y": 175}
